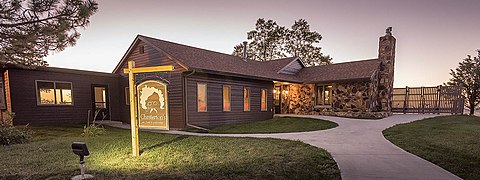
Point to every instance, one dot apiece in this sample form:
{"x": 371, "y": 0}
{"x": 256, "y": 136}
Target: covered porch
{"x": 294, "y": 98}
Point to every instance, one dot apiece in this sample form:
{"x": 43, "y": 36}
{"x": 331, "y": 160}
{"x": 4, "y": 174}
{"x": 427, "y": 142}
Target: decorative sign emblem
{"x": 152, "y": 105}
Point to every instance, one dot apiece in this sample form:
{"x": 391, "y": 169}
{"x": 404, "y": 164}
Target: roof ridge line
{"x": 194, "y": 47}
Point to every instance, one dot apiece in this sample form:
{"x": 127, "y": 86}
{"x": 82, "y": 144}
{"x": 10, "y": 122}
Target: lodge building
{"x": 204, "y": 89}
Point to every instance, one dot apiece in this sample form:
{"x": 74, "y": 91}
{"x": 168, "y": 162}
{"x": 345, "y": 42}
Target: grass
{"x": 276, "y": 125}
{"x": 164, "y": 156}
{"x": 451, "y": 142}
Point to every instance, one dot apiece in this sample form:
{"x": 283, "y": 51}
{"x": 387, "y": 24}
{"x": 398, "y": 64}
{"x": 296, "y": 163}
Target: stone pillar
{"x": 386, "y": 53}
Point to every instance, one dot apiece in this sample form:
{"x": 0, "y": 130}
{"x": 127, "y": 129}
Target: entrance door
{"x": 101, "y": 105}
{"x": 276, "y": 100}
{"x": 285, "y": 101}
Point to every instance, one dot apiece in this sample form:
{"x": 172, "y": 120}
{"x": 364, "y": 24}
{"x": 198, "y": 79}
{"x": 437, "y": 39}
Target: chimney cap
{"x": 388, "y": 31}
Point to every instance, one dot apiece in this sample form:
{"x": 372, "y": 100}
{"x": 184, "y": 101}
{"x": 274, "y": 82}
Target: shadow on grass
{"x": 178, "y": 138}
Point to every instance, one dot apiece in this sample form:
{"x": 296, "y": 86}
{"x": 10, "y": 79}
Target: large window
{"x": 264, "y": 100}
{"x": 54, "y": 93}
{"x": 227, "y": 98}
{"x": 202, "y": 97}
{"x": 246, "y": 99}
{"x": 324, "y": 94}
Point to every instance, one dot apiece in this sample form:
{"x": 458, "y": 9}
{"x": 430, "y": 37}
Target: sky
{"x": 433, "y": 36}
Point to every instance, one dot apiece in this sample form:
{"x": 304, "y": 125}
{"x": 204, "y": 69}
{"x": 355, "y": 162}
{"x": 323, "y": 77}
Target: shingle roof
{"x": 355, "y": 70}
{"x": 206, "y": 60}
{"x": 196, "y": 58}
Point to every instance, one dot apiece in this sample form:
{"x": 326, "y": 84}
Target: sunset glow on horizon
{"x": 432, "y": 35}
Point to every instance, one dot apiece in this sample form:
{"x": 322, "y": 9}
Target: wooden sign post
{"x": 133, "y": 98}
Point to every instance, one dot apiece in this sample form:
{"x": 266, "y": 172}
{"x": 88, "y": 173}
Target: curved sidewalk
{"x": 359, "y": 148}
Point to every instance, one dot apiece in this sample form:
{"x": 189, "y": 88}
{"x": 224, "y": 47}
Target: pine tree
{"x": 299, "y": 43}
{"x": 270, "y": 41}
{"x": 30, "y": 29}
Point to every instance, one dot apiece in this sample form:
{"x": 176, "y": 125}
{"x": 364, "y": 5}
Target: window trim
{"x": 206, "y": 97}
{"x": 249, "y": 99}
{"x": 266, "y": 99}
{"x": 223, "y": 98}
{"x": 323, "y": 98}
{"x": 105, "y": 95}
{"x": 127, "y": 96}
{"x": 37, "y": 93}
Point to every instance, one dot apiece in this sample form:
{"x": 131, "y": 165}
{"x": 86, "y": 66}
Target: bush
{"x": 10, "y": 134}
{"x": 93, "y": 130}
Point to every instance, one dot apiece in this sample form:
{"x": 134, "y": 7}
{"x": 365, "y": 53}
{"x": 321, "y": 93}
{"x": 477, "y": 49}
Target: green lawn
{"x": 452, "y": 142}
{"x": 164, "y": 157}
{"x": 276, "y": 125}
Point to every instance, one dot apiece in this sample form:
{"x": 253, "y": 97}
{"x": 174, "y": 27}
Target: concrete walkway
{"x": 358, "y": 147}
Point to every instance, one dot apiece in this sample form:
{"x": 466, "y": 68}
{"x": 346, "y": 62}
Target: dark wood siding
{"x": 23, "y": 96}
{"x": 153, "y": 57}
{"x": 215, "y": 115}
{"x": 292, "y": 68}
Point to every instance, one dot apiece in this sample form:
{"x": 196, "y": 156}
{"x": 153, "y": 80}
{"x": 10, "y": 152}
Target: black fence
{"x": 440, "y": 99}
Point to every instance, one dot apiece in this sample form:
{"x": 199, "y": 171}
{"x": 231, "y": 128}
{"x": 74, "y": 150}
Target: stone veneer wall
{"x": 346, "y": 97}
{"x": 354, "y": 96}
{"x": 302, "y": 98}
{"x": 372, "y": 97}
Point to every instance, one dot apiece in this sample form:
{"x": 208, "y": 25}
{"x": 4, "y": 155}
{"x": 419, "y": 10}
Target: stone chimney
{"x": 386, "y": 53}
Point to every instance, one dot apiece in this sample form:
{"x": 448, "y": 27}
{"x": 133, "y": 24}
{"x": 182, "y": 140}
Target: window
{"x": 100, "y": 97}
{"x": 324, "y": 94}
{"x": 54, "y": 93}
{"x": 227, "y": 100}
{"x": 201, "y": 97}
{"x": 264, "y": 100}
{"x": 246, "y": 99}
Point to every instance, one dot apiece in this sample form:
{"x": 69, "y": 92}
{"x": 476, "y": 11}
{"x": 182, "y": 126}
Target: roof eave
{"x": 339, "y": 80}
{"x": 243, "y": 76}
{"x": 124, "y": 57}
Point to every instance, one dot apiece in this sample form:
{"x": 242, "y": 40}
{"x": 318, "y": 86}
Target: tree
{"x": 30, "y": 29}
{"x": 266, "y": 41}
{"x": 467, "y": 75}
{"x": 300, "y": 40}
{"x": 270, "y": 41}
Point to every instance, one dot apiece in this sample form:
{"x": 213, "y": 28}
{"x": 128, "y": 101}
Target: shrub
{"x": 93, "y": 130}
{"x": 10, "y": 134}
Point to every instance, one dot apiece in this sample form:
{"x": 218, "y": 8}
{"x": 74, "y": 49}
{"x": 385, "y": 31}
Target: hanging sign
{"x": 152, "y": 105}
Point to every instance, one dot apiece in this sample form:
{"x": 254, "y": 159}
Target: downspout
{"x": 185, "y": 83}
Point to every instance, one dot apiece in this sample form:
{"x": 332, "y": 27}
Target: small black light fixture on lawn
{"x": 80, "y": 149}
